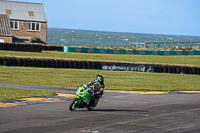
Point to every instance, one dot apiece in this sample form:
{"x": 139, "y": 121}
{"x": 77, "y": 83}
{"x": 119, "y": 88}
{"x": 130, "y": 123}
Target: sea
{"x": 70, "y": 37}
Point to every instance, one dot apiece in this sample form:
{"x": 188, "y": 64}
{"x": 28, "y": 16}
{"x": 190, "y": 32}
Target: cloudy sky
{"x": 172, "y": 17}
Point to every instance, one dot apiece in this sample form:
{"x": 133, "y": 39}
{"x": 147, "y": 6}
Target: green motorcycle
{"x": 83, "y": 99}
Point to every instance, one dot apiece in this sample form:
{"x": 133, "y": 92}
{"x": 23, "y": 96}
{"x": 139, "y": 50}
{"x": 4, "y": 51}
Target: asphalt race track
{"x": 117, "y": 112}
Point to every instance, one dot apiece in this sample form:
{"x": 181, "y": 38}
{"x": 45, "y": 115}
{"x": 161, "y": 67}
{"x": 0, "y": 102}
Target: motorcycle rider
{"x": 98, "y": 87}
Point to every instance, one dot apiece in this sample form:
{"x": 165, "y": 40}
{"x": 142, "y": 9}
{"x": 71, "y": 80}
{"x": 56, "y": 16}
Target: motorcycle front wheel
{"x": 73, "y": 105}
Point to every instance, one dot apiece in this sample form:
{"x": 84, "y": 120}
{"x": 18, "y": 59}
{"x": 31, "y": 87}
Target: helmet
{"x": 100, "y": 79}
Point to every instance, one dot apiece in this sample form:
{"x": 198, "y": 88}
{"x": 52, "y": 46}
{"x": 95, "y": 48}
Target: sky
{"x": 170, "y": 17}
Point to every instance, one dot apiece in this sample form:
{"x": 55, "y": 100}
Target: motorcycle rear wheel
{"x": 91, "y": 107}
{"x": 73, "y": 105}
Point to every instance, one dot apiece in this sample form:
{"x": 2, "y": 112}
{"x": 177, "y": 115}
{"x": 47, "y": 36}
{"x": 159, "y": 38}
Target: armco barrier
{"x": 39, "y": 48}
{"x": 113, "y": 66}
{"x": 130, "y": 51}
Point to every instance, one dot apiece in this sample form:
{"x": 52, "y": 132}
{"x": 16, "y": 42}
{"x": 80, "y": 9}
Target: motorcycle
{"x": 83, "y": 99}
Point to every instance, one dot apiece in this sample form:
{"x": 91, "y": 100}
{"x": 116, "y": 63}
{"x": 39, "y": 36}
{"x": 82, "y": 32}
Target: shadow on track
{"x": 117, "y": 110}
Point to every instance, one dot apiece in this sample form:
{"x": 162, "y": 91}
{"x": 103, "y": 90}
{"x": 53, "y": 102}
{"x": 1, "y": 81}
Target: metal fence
{"x": 163, "y": 44}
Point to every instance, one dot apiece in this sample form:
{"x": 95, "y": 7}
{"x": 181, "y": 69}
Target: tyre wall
{"x": 29, "y": 47}
{"x": 112, "y": 66}
{"x": 52, "y": 48}
{"x": 21, "y": 47}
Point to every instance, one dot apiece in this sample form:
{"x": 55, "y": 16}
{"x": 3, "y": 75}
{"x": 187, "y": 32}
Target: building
{"x": 5, "y": 30}
{"x": 22, "y": 22}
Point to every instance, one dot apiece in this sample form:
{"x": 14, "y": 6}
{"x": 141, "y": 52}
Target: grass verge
{"x": 160, "y": 59}
{"x": 114, "y": 80}
{"x": 10, "y": 93}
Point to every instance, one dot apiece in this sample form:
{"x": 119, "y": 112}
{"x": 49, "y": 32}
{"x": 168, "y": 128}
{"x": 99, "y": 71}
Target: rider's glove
{"x": 85, "y": 87}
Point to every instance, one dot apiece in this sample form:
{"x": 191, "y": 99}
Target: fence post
{"x": 185, "y": 44}
{"x": 171, "y": 44}
{"x": 165, "y": 45}
{"x": 191, "y": 44}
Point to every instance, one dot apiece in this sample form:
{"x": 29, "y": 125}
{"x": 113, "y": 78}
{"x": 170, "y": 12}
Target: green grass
{"x": 162, "y": 59}
{"x": 10, "y": 93}
{"x": 114, "y": 80}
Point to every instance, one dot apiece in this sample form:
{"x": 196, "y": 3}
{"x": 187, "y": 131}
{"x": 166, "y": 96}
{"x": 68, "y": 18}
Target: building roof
{"x": 23, "y": 11}
{"x": 5, "y": 29}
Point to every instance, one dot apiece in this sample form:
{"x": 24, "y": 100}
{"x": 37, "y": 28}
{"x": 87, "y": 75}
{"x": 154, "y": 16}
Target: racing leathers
{"x": 98, "y": 90}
